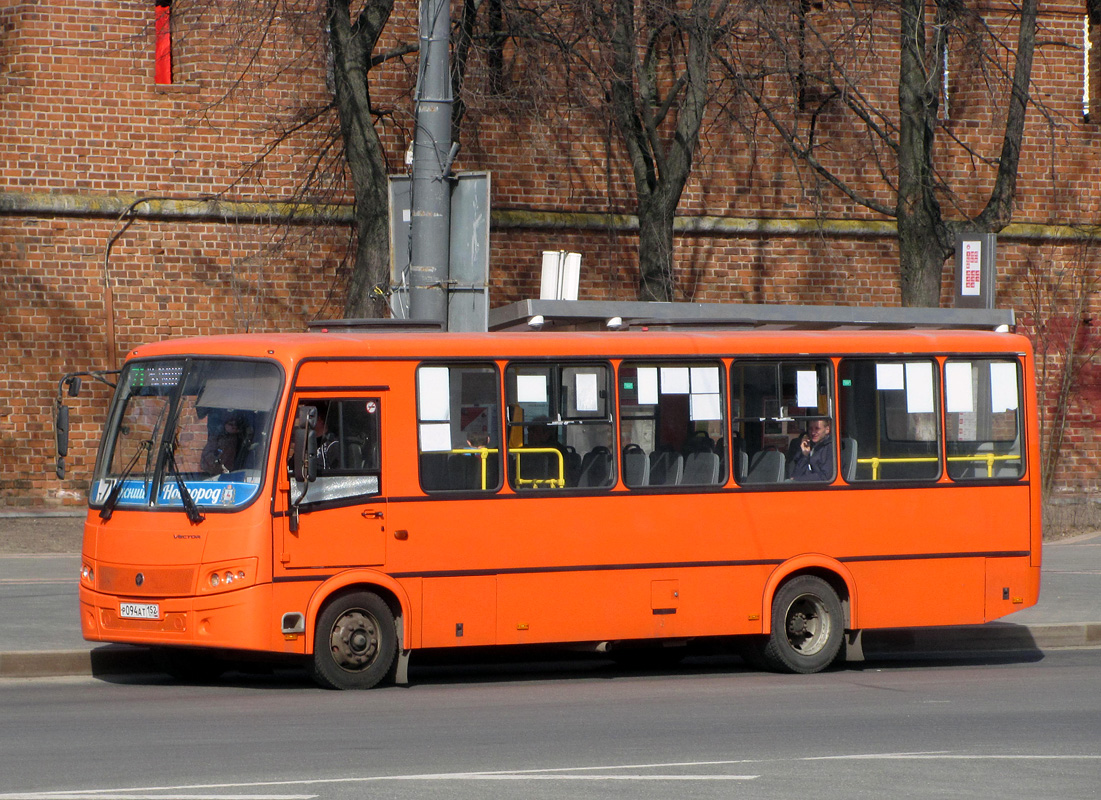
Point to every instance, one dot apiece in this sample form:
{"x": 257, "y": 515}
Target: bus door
{"x": 341, "y": 514}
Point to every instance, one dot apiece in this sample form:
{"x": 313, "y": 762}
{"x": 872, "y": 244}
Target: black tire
{"x": 189, "y": 666}
{"x": 807, "y": 627}
{"x": 355, "y": 642}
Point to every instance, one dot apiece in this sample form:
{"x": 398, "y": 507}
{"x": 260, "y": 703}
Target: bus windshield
{"x": 188, "y": 426}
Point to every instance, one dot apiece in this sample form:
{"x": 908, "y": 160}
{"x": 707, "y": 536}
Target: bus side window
{"x": 672, "y": 424}
{"x": 348, "y": 454}
{"x": 982, "y": 413}
{"x": 560, "y": 426}
{"x": 458, "y": 428}
{"x": 889, "y": 413}
{"x": 775, "y": 406}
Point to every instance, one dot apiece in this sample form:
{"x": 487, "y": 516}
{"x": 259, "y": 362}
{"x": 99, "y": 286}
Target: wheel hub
{"x": 354, "y": 640}
{"x": 808, "y": 625}
{"x": 797, "y": 624}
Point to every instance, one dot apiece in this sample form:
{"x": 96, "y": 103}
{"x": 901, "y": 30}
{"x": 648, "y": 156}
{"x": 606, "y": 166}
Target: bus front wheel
{"x": 355, "y": 642}
{"x": 807, "y": 627}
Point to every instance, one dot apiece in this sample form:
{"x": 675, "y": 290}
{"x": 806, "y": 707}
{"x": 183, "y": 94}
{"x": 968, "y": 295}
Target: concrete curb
{"x": 960, "y": 640}
{"x": 106, "y": 660}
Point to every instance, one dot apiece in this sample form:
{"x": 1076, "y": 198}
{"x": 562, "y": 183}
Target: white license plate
{"x": 139, "y": 611}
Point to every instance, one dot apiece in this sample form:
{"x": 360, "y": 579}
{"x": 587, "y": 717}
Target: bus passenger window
{"x": 458, "y": 428}
{"x": 982, "y": 408}
{"x": 672, "y": 424}
{"x": 889, "y": 413}
{"x": 559, "y": 426}
{"x": 782, "y": 417}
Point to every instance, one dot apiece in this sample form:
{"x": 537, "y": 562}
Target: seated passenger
{"x": 814, "y": 460}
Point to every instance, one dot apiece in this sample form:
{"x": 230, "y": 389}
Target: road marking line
{"x": 548, "y": 774}
{"x": 123, "y": 795}
{"x": 956, "y": 757}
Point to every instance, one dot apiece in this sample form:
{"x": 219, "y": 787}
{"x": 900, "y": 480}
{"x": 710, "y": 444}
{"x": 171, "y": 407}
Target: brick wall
{"x": 80, "y": 115}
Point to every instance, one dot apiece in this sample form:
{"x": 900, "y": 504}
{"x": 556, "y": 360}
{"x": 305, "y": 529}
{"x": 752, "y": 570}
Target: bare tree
{"x": 830, "y": 103}
{"x": 1060, "y": 294}
{"x": 353, "y": 40}
{"x": 658, "y": 90}
{"x": 328, "y": 48}
{"x": 646, "y": 65}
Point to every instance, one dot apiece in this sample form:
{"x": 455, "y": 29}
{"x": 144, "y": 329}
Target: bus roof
{"x": 294, "y": 347}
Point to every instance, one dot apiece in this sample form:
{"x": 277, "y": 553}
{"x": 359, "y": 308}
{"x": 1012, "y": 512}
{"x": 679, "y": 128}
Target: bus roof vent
{"x": 373, "y": 326}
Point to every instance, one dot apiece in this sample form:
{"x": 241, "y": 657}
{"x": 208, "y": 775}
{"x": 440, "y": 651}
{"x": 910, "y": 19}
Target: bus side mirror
{"x": 74, "y": 385}
{"x": 304, "y": 453}
{"x": 61, "y": 425}
{"x": 61, "y": 432}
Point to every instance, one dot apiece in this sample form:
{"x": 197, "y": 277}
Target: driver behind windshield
{"x": 220, "y": 454}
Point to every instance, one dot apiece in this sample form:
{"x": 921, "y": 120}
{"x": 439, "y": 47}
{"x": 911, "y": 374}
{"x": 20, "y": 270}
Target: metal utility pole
{"x": 432, "y": 156}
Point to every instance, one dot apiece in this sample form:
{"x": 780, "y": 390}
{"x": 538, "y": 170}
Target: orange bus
{"x": 348, "y": 498}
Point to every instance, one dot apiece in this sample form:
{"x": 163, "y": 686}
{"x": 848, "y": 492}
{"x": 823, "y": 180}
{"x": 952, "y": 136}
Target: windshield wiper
{"x": 116, "y": 490}
{"x": 192, "y": 510}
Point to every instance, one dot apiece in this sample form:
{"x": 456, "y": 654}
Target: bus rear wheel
{"x": 355, "y": 642}
{"x": 807, "y": 627}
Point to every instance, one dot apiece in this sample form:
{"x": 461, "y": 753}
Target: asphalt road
{"x": 1024, "y": 727}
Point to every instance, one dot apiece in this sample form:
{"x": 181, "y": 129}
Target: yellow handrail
{"x": 537, "y": 483}
{"x": 988, "y": 458}
{"x": 875, "y": 461}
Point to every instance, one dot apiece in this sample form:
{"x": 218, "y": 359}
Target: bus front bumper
{"x": 231, "y": 620}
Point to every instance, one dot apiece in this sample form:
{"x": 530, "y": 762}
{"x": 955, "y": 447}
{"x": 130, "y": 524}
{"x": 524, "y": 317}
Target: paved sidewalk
{"x": 39, "y": 629}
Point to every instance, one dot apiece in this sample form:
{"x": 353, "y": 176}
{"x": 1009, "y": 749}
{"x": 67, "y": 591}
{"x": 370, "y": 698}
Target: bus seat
{"x": 354, "y": 455}
{"x": 701, "y": 469}
{"x": 464, "y": 471}
{"x": 665, "y": 468}
{"x": 766, "y": 466}
{"x": 636, "y": 466}
{"x": 573, "y": 465}
{"x": 848, "y": 459}
{"x": 434, "y": 471}
{"x": 596, "y": 467}
{"x": 741, "y": 464}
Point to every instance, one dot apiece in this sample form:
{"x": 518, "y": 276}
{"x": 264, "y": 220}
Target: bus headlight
{"x": 227, "y": 577}
{"x": 87, "y": 575}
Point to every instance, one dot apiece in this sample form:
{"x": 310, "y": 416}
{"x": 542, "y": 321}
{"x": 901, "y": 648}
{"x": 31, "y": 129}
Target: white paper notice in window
{"x": 705, "y": 380}
{"x": 588, "y": 392}
{"x": 889, "y": 377}
{"x": 435, "y": 438}
{"x": 1003, "y": 386}
{"x": 957, "y": 388}
{"x": 705, "y": 407}
{"x": 919, "y": 388}
{"x": 434, "y": 393}
{"x": 531, "y": 388}
{"x": 647, "y": 386}
{"x": 674, "y": 380}
{"x": 806, "y": 388}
